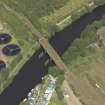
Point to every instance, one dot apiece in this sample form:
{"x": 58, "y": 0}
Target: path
{"x": 69, "y": 96}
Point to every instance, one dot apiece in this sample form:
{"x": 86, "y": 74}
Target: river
{"x": 34, "y": 69}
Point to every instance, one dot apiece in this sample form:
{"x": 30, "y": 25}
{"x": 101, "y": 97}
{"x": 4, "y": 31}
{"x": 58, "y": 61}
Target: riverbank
{"x": 31, "y": 77}
{"x": 15, "y": 71}
{"x": 85, "y": 58}
{"x": 26, "y": 42}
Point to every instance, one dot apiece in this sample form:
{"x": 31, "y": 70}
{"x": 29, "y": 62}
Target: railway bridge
{"x": 41, "y": 39}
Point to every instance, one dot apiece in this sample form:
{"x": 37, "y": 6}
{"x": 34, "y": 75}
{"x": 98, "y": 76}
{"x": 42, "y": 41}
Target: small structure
{"x": 2, "y": 65}
{"x": 11, "y": 50}
{"x": 5, "y": 38}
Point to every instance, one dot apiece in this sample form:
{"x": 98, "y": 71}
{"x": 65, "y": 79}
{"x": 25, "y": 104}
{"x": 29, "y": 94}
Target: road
{"x": 69, "y": 97}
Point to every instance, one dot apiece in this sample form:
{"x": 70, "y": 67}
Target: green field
{"x": 100, "y": 2}
{"x": 36, "y": 9}
{"x": 25, "y": 103}
{"x": 45, "y": 14}
{"x": 86, "y": 60}
{"x": 55, "y": 100}
{"x": 26, "y": 41}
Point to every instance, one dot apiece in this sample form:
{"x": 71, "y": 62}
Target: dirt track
{"x": 88, "y": 94}
{"x": 70, "y": 98}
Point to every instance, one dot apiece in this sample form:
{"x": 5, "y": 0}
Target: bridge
{"x": 42, "y": 41}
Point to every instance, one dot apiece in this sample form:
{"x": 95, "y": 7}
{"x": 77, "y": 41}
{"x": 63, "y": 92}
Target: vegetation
{"x": 58, "y": 17}
{"x": 55, "y": 100}
{"x": 45, "y": 14}
{"x": 54, "y": 71}
{"x": 25, "y": 103}
{"x": 36, "y": 9}
{"x": 79, "y": 47}
{"x": 100, "y": 2}
{"x": 86, "y": 59}
{"x": 26, "y": 41}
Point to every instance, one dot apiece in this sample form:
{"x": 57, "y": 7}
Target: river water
{"x": 34, "y": 69}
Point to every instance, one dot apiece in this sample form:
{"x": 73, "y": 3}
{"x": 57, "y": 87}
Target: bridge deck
{"x": 53, "y": 54}
{"x": 43, "y": 42}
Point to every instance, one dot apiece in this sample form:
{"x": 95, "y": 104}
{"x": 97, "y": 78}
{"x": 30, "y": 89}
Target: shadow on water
{"x": 32, "y": 72}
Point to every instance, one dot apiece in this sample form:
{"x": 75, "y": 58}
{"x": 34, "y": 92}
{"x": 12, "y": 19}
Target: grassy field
{"x": 26, "y": 41}
{"x": 86, "y": 60}
{"x": 100, "y": 2}
{"x": 36, "y": 9}
{"x": 45, "y": 14}
{"x": 55, "y": 100}
{"x": 39, "y": 12}
{"x": 69, "y": 9}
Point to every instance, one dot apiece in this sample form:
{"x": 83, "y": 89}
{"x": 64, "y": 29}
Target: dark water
{"x": 34, "y": 69}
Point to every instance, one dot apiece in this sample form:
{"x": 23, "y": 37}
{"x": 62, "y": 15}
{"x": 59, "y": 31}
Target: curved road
{"x": 34, "y": 69}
